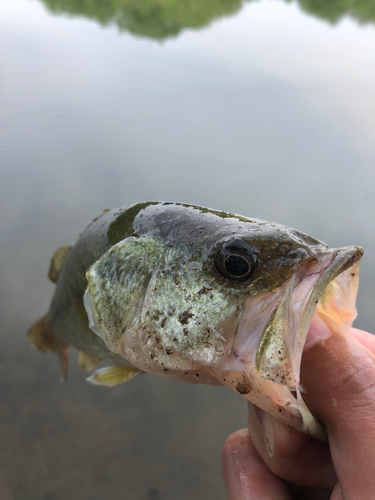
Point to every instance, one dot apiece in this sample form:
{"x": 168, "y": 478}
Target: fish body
{"x": 200, "y": 296}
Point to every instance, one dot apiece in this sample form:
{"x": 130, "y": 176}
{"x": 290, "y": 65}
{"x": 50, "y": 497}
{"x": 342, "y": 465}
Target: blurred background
{"x": 264, "y": 108}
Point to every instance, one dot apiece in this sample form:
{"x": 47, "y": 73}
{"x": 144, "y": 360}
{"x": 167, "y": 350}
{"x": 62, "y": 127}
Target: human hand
{"x": 272, "y": 461}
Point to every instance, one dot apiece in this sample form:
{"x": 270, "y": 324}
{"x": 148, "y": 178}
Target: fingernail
{"x": 265, "y": 421}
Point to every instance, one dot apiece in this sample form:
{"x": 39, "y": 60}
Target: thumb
{"x": 338, "y": 373}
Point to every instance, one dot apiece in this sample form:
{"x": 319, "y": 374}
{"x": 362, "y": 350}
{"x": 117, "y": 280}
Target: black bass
{"x": 199, "y": 296}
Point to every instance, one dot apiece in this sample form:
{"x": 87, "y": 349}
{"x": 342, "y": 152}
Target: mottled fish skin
{"x": 178, "y": 242}
{"x": 159, "y": 301}
{"x": 171, "y": 223}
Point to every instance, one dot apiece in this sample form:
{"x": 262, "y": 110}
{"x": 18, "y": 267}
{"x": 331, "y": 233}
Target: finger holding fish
{"x": 338, "y": 372}
{"x": 247, "y": 477}
{"x": 289, "y": 454}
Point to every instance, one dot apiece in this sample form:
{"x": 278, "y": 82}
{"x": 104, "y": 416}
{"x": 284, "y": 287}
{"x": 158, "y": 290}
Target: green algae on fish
{"x": 198, "y": 296}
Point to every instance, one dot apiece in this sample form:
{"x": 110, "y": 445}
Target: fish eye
{"x": 236, "y": 259}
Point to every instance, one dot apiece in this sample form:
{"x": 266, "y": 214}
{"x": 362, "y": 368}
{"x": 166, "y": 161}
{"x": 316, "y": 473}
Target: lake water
{"x": 263, "y": 108}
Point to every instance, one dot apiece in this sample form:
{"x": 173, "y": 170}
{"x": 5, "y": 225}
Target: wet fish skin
{"x": 159, "y": 299}
{"x": 185, "y": 225}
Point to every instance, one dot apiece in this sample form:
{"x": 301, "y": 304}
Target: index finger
{"x": 245, "y": 474}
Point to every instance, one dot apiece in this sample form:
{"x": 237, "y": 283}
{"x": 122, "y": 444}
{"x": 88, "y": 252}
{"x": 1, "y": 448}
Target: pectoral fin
{"x": 57, "y": 261}
{"x": 87, "y": 361}
{"x": 113, "y": 375}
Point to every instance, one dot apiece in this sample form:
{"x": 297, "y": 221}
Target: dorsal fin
{"x": 57, "y": 261}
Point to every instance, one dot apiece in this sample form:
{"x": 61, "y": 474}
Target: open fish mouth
{"x": 265, "y": 359}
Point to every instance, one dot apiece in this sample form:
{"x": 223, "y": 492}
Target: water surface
{"x": 264, "y": 108}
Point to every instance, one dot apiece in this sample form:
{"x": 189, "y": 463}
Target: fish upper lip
{"x": 342, "y": 259}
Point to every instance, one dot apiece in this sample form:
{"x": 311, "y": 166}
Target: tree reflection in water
{"x": 160, "y": 19}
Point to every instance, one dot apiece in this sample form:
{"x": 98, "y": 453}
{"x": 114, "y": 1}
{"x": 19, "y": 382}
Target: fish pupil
{"x": 236, "y": 266}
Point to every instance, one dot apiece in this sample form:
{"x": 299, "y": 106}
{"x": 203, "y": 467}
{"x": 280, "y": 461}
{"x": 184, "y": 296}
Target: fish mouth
{"x": 326, "y": 284}
{"x": 323, "y": 288}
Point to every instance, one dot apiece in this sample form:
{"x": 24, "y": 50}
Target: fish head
{"x": 209, "y": 297}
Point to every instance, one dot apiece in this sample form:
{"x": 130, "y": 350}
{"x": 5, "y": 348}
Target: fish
{"x": 200, "y": 296}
